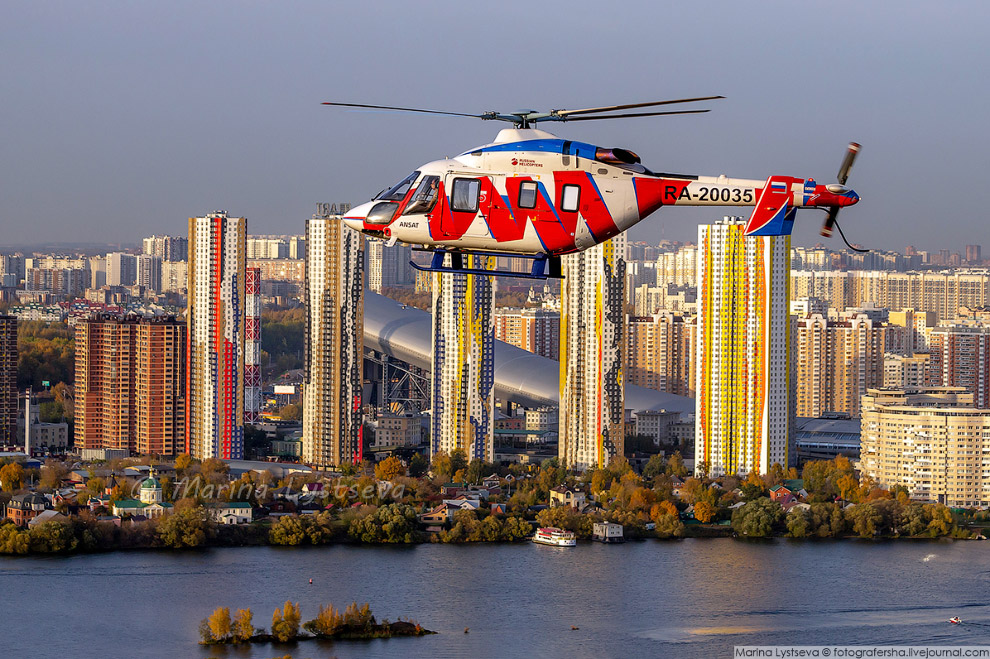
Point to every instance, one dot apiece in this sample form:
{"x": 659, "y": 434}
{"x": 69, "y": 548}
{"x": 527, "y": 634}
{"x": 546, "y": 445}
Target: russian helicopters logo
{"x": 525, "y": 162}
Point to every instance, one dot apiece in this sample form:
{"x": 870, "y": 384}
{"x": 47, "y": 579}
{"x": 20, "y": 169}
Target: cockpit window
{"x": 425, "y": 197}
{"x": 399, "y": 190}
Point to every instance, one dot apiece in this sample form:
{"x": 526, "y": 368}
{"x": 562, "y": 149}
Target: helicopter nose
{"x": 355, "y": 217}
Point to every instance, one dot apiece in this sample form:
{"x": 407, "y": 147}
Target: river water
{"x": 687, "y": 598}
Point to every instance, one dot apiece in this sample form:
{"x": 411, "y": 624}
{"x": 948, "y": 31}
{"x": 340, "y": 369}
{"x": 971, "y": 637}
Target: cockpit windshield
{"x": 399, "y": 190}
{"x": 425, "y": 197}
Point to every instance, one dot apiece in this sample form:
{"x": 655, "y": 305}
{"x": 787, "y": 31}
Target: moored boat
{"x": 551, "y": 535}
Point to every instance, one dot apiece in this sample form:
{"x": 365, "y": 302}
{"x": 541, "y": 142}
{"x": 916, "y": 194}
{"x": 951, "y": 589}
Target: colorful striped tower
{"x": 215, "y": 338}
{"x": 745, "y": 398}
{"x": 592, "y": 347}
{"x": 463, "y": 386}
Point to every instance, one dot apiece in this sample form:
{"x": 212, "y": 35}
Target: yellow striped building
{"x": 745, "y": 397}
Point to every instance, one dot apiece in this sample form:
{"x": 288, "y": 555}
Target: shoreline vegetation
{"x": 394, "y": 503}
{"x": 354, "y": 623}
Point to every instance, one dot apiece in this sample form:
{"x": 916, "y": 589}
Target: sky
{"x": 123, "y": 119}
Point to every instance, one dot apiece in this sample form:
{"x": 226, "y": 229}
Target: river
{"x": 687, "y": 598}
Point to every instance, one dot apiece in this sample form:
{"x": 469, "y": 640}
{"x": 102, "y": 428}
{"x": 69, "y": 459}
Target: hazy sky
{"x": 123, "y": 119}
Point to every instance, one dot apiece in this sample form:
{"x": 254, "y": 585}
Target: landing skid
{"x": 545, "y": 266}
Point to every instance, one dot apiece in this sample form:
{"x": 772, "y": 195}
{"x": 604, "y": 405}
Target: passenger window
{"x": 570, "y": 198}
{"x": 527, "y": 194}
{"x": 464, "y": 196}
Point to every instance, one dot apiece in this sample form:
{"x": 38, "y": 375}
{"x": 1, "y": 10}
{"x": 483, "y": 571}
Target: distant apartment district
{"x": 751, "y": 353}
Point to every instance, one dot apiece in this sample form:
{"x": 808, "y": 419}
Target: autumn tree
{"x": 757, "y": 519}
{"x": 290, "y": 412}
{"x": 704, "y": 512}
{"x": 798, "y": 523}
{"x": 12, "y": 476}
{"x": 182, "y": 462}
{"x": 389, "y": 469}
{"x": 440, "y": 464}
{"x": 458, "y": 460}
{"x": 243, "y": 629}
{"x": 219, "y": 622}
{"x": 285, "y": 622}
{"x": 186, "y": 528}
{"x": 675, "y": 465}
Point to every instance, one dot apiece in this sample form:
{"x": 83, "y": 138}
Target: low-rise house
{"x": 499, "y": 508}
{"x": 314, "y": 490}
{"x": 607, "y": 532}
{"x": 231, "y": 512}
{"x": 437, "y": 516}
{"x": 782, "y": 495}
{"x": 44, "y": 516}
{"x": 25, "y": 507}
{"x": 565, "y": 496}
{"x": 463, "y": 503}
{"x": 491, "y": 481}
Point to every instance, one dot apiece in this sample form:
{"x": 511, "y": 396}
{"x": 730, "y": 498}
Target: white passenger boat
{"x": 551, "y": 535}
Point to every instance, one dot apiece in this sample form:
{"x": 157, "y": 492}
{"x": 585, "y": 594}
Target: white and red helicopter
{"x": 534, "y": 195}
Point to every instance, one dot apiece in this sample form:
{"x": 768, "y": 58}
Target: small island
{"x": 356, "y": 622}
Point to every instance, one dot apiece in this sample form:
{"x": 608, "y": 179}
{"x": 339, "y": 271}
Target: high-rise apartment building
{"x": 175, "y": 276}
{"x": 535, "y": 330}
{"x": 917, "y": 326}
{"x": 332, "y": 381}
{"x": 463, "y": 379}
{"x": 960, "y": 357}
{"x": 215, "y": 314}
{"x": 8, "y": 380}
{"x": 660, "y": 353}
{"x": 941, "y": 293}
{"x": 745, "y": 397}
{"x": 973, "y": 256}
{"x": 906, "y": 372}
{"x": 388, "y": 267}
{"x": 130, "y": 384}
{"x": 121, "y": 269}
{"x": 149, "y": 272}
{"x": 931, "y": 441}
{"x": 167, "y": 248}
{"x": 592, "y": 420}
{"x": 679, "y": 268}
{"x": 836, "y": 361}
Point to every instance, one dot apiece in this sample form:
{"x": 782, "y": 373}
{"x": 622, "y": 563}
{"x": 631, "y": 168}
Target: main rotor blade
{"x": 630, "y": 106}
{"x": 847, "y": 162}
{"x": 389, "y": 107}
{"x": 625, "y": 116}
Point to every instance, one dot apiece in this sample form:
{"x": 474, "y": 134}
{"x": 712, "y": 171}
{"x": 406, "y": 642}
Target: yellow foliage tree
{"x": 389, "y": 469}
{"x": 704, "y": 512}
{"x": 12, "y": 477}
{"x": 243, "y": 628}
{"x": 285, "y": 622}
{"x": 663, "y": 508}
{"x": 219, "y": 622}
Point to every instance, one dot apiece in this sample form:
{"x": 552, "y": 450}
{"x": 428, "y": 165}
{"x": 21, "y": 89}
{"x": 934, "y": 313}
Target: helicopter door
{"x": 471, "y": 199}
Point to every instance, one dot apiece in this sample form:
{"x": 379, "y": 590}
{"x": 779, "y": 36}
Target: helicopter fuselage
{"x": 530, "y": 192}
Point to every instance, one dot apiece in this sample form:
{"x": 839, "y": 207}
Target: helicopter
{"x": 533, "y": 195}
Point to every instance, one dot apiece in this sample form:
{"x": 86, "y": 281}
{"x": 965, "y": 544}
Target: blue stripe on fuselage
{"x": 579, "y": 149}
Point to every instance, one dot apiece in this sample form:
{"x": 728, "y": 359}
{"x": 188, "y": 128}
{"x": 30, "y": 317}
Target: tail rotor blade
{"x": 833, "y": 213}
{"x": 847, "y": 162}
